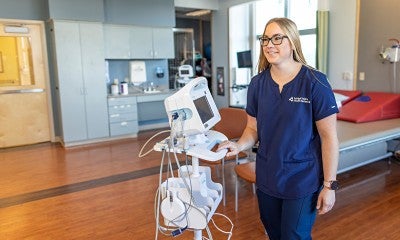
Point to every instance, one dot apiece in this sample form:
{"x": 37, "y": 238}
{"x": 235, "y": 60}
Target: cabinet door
{"x": 93, "y": 66}
{"x": 163, "y": 43}
{"x": 70, "y": 81}
{"x": 141, "y": 42}
{"x": 116, "y": 40}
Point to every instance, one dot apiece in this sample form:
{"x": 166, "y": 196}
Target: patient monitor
{"x": 194, "y": 106}
{"x": 185, "y": 73}
{"x": 190, "y": 200}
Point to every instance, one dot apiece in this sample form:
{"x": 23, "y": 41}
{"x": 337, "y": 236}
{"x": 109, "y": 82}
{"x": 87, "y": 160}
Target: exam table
{"x": 364, "y": 143}
{"x": 366, "y": 127}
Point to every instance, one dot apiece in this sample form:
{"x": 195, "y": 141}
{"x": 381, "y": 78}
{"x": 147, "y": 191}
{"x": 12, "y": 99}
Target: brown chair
{"x": 246, "y": 171}
{"x": 232, "y": 124}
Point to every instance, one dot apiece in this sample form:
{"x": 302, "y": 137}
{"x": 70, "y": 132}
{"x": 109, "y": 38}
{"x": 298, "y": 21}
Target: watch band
{"x": 331, "y": 185}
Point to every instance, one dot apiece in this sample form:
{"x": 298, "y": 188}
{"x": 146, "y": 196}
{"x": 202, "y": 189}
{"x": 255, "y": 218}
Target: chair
{"x": 246, "y": 171}
{"x": 232, "y": 124}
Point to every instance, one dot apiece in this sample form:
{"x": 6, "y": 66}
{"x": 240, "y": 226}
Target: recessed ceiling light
{"x": 198, "y": 13}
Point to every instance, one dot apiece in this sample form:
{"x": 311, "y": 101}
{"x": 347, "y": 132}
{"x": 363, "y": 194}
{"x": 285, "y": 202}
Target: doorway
{"x": 25, "y": 113}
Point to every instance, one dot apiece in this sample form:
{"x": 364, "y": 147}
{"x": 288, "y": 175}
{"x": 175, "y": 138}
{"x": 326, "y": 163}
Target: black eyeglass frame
{"x": 276, "y": 40}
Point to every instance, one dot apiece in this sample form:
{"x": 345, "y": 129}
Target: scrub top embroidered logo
{"x": 299, "y": 99}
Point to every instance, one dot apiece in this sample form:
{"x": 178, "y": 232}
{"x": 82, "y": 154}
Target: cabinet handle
{"x": 83, "y": 91}
{"x": 114, "y": 115}
{"x": 124, "y": 123}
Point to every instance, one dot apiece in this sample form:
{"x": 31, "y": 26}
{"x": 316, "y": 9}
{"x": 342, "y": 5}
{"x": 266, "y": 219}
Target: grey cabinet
{"x": 80, "y": 74}
{"x": 116, "y": 41}
{"x": 123, "y": 116}
{"x": 163, "y": 43}
{"x": 136, "y": 42}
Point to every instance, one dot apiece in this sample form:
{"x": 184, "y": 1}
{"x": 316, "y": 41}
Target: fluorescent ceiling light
{"x": 198, "y": 13}
{"x": 16, "y": 29}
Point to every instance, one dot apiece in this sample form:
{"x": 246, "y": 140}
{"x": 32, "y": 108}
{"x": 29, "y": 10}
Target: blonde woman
{"x": 292, "y": 114}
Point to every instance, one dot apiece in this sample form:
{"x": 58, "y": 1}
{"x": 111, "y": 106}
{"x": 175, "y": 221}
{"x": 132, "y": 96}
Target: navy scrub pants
{"x": 287, "y": 219}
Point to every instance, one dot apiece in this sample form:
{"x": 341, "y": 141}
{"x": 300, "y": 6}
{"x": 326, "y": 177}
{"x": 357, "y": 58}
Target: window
{"x": 247, "y": 22}
{"x": 303, "y": 13}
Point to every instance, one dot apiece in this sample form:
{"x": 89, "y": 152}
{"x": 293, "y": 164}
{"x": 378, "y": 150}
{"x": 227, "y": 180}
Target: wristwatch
{"x": 331, "y": 185}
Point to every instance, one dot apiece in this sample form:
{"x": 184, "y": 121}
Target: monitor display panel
{"x": 244, "y": 59}
{"x": 203, "y": 108}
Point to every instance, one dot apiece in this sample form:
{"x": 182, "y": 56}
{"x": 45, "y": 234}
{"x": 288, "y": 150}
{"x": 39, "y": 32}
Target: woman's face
{"x": 280, "y": 53}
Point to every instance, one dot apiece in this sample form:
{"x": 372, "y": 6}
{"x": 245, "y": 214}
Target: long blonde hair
{"x": 289, "y": 28}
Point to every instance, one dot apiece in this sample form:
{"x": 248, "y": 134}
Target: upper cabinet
{"x": 116, "y": 42}
{"x": 136, "y": 42}
{"x": 163, "y": 43}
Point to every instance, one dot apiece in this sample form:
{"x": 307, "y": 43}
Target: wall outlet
{"x": 347, "y": 76}
{"x": 362, "y": 76}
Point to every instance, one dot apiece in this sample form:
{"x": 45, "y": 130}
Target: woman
{"x": 292, "y": 114}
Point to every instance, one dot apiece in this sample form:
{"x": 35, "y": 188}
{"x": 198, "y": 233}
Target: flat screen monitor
{"x": 203, "y": 108}
{"x": 244, "y": 59}
{"x": 192, "y": 108}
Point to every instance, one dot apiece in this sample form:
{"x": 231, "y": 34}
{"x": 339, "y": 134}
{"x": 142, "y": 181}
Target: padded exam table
{"x": 364, "y": 143}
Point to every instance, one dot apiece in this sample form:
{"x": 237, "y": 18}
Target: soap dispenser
{"x": 159, "y": 72}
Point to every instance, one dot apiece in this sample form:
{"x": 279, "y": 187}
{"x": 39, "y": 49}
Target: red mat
{"x": 351, "y": 94}
{"x": 371, "y": 106}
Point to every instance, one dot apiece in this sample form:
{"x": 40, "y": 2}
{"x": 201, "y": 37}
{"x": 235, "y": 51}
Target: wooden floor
{"x": 104, "y": 191}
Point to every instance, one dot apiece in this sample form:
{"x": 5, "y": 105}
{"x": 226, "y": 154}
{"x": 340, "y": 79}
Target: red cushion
{"x": 371, "y": 106}
{"x": 351, "y": 94}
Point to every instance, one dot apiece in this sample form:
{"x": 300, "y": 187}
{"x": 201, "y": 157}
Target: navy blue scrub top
{"x": 289, "y": 159}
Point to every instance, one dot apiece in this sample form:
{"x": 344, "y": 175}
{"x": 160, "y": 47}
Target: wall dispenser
{"x": 159, "y": 72}
{"x": 137, "y": 72}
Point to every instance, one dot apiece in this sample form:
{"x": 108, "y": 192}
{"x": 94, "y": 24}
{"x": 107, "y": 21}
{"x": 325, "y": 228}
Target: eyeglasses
{"x": 276, "y": 40}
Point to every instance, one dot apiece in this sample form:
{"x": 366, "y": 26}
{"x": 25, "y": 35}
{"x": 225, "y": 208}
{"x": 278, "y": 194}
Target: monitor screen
{"x": 244, "y": 59}
{"x": 184, "y": 72}
{"x": 203, "y": 108}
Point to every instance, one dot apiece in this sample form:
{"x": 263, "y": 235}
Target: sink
{"x": 151, "y": 91}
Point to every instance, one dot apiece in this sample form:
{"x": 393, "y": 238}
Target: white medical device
{"x": 190, "y": 200}
{"x": 392, "y": 54}
{"x": 185, "y": 72}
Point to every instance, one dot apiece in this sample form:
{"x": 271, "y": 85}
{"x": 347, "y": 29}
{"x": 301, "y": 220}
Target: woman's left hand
{"x": 326, "y": 200}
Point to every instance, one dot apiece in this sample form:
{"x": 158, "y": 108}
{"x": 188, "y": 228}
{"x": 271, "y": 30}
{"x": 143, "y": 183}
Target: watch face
{"x": 334, "y": 185}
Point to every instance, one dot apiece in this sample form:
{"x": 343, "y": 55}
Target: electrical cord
{"x": 230, "y": 232}
{"x": 151, "y": 138}
{"x": 173, "y": 225}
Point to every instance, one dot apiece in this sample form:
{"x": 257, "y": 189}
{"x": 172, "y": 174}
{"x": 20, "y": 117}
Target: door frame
{"x": 41, "y": 24}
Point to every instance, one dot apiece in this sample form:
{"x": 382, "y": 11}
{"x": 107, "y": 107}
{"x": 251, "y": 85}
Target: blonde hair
{"x": 289, "y": 28}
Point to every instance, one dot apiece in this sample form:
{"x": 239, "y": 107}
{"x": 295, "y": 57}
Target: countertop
{"x": 138, "y": 93}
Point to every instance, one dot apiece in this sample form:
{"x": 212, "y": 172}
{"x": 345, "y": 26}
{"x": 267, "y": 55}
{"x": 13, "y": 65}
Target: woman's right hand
{"x": 233, "y": 147}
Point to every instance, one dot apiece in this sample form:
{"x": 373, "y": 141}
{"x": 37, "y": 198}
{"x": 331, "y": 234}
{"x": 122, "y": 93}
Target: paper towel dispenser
{"x": 137, "y": 71}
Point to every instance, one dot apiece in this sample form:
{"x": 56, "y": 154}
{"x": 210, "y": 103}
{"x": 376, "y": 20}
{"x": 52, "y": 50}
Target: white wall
{"x": 342, "y": 42}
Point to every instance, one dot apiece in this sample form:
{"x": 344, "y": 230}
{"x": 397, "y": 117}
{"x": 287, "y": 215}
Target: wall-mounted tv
{"x": 244, "y": 59}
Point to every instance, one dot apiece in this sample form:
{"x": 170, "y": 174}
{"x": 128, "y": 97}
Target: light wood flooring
{"x": 105, "y": 191}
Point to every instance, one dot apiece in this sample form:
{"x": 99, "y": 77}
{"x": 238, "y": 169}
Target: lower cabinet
{"x": 123, "y": 117}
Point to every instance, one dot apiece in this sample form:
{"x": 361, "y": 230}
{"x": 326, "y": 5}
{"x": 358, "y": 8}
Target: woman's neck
{"x": 283, "y": 74}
